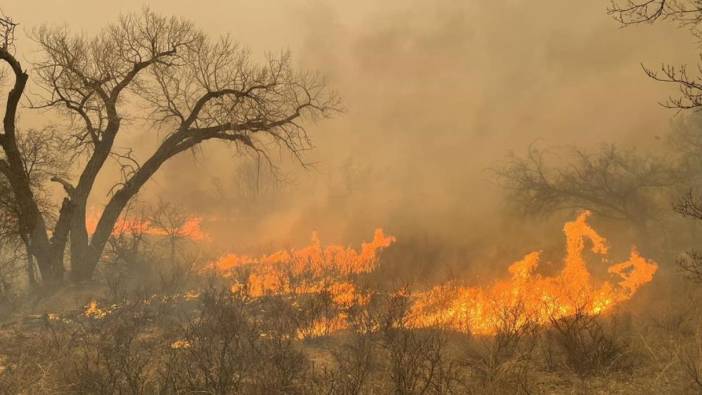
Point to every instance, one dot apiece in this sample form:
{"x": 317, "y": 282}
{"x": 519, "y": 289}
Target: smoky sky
{"x": 435, "y": 92}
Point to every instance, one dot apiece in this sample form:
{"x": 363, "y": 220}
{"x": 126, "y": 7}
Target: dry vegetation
{"x": 222, "y": 342}
{"x": 145, "y": 315}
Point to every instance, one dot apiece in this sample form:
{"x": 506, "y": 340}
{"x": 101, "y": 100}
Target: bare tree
{"x": 196, "y": 89}
{"x": 687, "y": 140}
{"x": 127, "y": 243}
{"x": 170, "y": 220}
{"x": 612, "y": 182}
{"x": 258, "y": 189}
{"x": 40, "y": 150}
{"x": 41, "y": 153}
{"x": 687, "y": 14}
{"x": 254, "y": 183}
{"x": 173, "y": 225}
{"x": 689, "y": 205}
{"x": 684, "y": 12}
{"x": 12, "y": 166}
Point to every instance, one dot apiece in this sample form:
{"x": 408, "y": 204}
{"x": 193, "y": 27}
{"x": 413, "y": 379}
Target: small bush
{"x": 586, "y": 345}
{"x": 502, "y": 363}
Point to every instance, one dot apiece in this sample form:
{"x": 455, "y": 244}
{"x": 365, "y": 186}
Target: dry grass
{"x": 227, "y": 343}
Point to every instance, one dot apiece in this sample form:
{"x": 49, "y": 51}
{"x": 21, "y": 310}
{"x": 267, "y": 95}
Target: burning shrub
{"x": 253, "y": 332}
{"x": 478, "y": 310}
{"x": 117, "y": 353}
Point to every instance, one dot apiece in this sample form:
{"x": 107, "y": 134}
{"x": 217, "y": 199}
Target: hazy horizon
{"x": 436, "y": 93}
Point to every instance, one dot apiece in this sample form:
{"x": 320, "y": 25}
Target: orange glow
{"x": 311, "y": 269}
{"x": 529, "y": 296}
{"x": 92, "y": 310}
{"x": 524, "y": 297}
{"x": 191, "y": 228}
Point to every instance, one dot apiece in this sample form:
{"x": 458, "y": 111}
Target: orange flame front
{"x": 526, "y": 297}
{"x": 309, "y": 270}
{"x": 190, "y": 229}
{"x": 306, "y": 270}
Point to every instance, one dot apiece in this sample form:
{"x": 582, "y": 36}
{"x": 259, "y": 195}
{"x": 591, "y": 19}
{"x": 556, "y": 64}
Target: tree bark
{"x": 79, "y": 243}
{"x": 81, "y": 256}
{"x": 31, "y": 272}
{"x": 174, "y": 144}
{"x": 88, "y": 254}
{"x": 30, "y": 219}
{"x": 258, "y": 101}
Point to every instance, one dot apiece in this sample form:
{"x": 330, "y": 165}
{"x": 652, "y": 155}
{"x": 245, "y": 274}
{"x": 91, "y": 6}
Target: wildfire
{"x": 92, "y": 310}
{"x": 190, "y": 229}
{"x": 529, "y": 297}
{"x": 310, "y": 269}
{"x": 525, "y": 297}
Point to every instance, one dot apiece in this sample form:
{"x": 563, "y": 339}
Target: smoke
{"x": 436, "y": 93}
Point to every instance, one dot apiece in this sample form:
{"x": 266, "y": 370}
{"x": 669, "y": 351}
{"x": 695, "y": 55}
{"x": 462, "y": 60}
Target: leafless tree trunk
{"x": 31, "y": 273}
{"x": 31, "y": 222}
{"x": 196, "y": 89}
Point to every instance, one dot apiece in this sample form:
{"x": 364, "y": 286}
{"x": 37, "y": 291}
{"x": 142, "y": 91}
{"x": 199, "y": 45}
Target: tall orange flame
{"x": 525, "y": 297}
{"x": 537, "y": 298}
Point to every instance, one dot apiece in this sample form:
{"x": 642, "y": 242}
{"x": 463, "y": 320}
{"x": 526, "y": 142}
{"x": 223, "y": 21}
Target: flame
{"x": 527, "y": 296}
{"x": 311, "y": 269}
{"x": 191, "y": 228}
{"x": 180, "y": 344}
{"x": 92, "y": 310}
